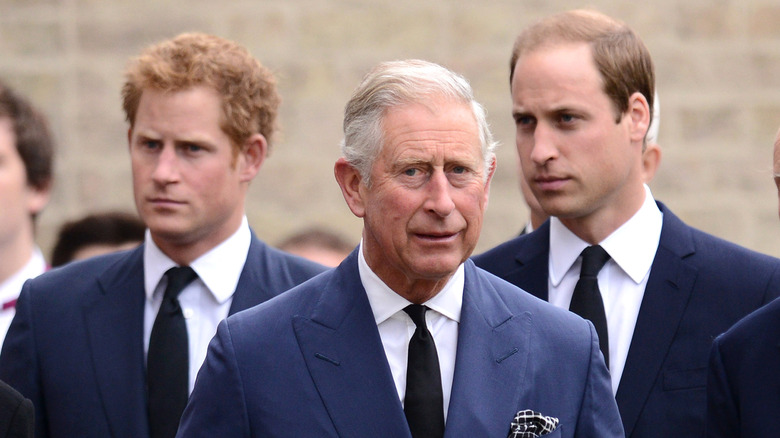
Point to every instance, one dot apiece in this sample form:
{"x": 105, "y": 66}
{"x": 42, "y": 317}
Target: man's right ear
{"x": 352, "y": 187}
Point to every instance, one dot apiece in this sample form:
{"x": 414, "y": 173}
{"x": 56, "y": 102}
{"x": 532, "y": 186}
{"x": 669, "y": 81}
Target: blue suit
{"x": 699, "y": 286}
{"x": 743, "y": 387}
{"x": 311, "y": 363}
{"x": 76, "y": 347}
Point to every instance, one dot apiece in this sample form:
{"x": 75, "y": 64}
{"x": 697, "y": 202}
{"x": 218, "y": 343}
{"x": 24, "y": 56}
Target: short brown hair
{"x": 33, "y": 138}
{"x": 248, "y": 90}
{"x": 620, "y": 55}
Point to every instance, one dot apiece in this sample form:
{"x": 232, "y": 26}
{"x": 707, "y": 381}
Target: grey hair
{"x": 396, "y": 83}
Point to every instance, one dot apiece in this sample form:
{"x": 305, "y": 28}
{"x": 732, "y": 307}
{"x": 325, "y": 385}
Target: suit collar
{"x": 344, "y": 354}
{"x": 494, "y": 342}
{"x": 666, "y": 298}
{"x": 114, "y": 321}
{"x": 532, "y": 257}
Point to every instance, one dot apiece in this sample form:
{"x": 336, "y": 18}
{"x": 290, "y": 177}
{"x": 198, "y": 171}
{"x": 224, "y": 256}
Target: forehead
{"x": 440, "y": 124}
{"x": 561, "y": 70}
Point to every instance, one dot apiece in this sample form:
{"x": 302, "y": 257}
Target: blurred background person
{"x": 26, "y": 161}
{"x": 318, "y": 244}
{"x": 96, "y": 234}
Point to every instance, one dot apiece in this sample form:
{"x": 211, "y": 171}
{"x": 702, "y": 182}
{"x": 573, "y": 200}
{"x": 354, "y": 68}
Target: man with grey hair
{"x": 407, "y": 338}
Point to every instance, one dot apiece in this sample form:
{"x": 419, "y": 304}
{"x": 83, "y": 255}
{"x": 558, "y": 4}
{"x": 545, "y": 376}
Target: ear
{"x": 651, "y": 159}
{"x": 252, "y": 156}
{"x": 38, "y": 198}
{"x": 491, "y": 169}
{"x": 351, "y": 184}
{"x": 639, "y": 116}
{"x": 129, "y": 137}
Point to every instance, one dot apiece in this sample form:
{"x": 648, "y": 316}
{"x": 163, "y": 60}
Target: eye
{"x": 524, "y": 120}
{"x": 411, "y": 171}
{"x": 151, "y": 144}
{"x": 459, "y": 170}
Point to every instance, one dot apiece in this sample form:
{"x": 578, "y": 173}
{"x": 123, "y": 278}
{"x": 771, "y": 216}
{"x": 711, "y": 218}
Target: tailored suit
{"x": 16, "y": 414}
{"x": 743, "y": 388}
{"x": 311, "y": 363}
{"x": 76, "y": 346}
{"x": 699, "y": 286}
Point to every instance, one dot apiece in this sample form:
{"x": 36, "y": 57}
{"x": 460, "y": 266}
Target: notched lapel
{"x": 491, "y": 363}
{"x": 344, "y": 355}
{"x": 114, "y": 321}
{"x": 666, "y": 297}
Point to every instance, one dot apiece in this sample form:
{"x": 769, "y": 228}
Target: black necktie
{"x": 167, "y": 363}
{"x": 586, "y": 300}
{"x": 424, "y": 402}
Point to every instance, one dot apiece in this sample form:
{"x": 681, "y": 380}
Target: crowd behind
{"x": 606, "y": 316}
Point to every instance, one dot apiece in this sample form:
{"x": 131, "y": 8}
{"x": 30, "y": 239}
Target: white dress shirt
{"x": 396, "y": 327}
{"x": 622, "y": 280}
{"x": 10, "y": 288}
{"x": 204, "y": 302}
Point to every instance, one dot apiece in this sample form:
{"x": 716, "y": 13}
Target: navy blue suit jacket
{"x": 743, "y": 388}
{"x": 311, "y": 363}
{"x": 699, "y": 286}
{"x": 75, "y": 346}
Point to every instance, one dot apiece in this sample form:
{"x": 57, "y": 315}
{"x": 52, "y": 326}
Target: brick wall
{"x": 718, "y": 65}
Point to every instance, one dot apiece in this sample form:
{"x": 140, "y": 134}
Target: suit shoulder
{"x": 501, "y": 258}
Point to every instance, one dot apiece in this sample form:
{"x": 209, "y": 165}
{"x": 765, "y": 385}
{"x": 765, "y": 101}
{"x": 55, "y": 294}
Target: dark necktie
{"x": 167, "y": 363}
{"x": 586, "y": 300}
{"x": 424, "y": 402}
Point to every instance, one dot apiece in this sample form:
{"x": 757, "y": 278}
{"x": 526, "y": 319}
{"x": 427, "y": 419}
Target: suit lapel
{"x": 252, "y": 288}
{"x": 344, "y": 355}
{"x": 533, "y": 262}
{"x": 665, "y": 300}
{"x": 118, "y": 359}
{"x": 491, "y": 361}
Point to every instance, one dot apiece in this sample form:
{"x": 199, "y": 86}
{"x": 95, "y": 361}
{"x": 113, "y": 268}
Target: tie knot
{"x": 178, "y": 278}
{"x": 593, "y": 259}
{"x": 417, "y": 313}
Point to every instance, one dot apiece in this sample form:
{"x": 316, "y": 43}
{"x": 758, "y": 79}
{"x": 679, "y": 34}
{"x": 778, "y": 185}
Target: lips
{"x": 164, "y": 202}
{"x": 547, "y": 183}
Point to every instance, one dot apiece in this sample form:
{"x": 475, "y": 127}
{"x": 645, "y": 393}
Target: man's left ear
{"x": 491, "y": 169}
{"x": 639, "y": 112}
{"x": 253, "y": 153}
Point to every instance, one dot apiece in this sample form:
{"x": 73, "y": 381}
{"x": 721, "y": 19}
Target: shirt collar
{"x": 632, "y": 246}
{"x": 10, "y": 288}
{"x": 386, "y": 303}
{"x": 219, "y": 269}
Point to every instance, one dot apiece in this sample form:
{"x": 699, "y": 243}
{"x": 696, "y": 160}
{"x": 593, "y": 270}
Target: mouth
{"x": 437, "y": 237}
{"x": 164, "y": 202}
{"x": 547, "y": 183}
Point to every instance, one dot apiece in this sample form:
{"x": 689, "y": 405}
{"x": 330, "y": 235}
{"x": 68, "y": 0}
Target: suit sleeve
{"x": 19, "y": 359}
{"x": 722, "y": 411}
{"x": 599, "y": 416}
{"x": 217, "y": 405}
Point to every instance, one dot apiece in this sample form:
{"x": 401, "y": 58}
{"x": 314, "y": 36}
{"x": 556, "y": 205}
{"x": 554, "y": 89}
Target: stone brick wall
{"x": 718, "y": 65}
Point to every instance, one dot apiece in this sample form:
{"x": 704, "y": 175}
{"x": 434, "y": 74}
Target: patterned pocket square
{"x": 530, "y": 424}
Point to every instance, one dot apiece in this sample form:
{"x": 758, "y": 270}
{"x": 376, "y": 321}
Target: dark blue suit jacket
{"x": 311, "y": 363}
{"x": 75, "y": 346}
{"x": 743, "y": 388}
{"x": 699, "y": 286}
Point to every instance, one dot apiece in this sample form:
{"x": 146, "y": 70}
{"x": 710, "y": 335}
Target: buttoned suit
{"x": 311, "y": 363}
{"x": 76, "y": 346}
{"x": 699, "y": 286}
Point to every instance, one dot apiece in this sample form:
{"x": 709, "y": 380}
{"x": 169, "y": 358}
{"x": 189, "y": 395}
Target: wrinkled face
{"x": 429, "y": 190}
{"x": 578, "y": 161}
{"x": 188, "y": 188}
{"x": 18, "y": 200}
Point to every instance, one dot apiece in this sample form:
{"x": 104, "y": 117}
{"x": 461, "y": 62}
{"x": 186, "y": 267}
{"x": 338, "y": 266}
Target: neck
{"x": 599, "y": 224}
{"x": 15, "y": 254}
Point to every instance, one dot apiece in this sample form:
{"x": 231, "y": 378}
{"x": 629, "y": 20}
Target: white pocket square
{"x": 530, "y": 424}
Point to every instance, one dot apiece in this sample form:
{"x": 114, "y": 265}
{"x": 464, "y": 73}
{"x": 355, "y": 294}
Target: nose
{"x": 439, "y": 200}
{"x": 543, "y": 146}
{"x": 166, "y": 166}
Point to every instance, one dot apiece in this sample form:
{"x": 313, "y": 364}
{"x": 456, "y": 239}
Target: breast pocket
{"x": 685, "y": 379}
